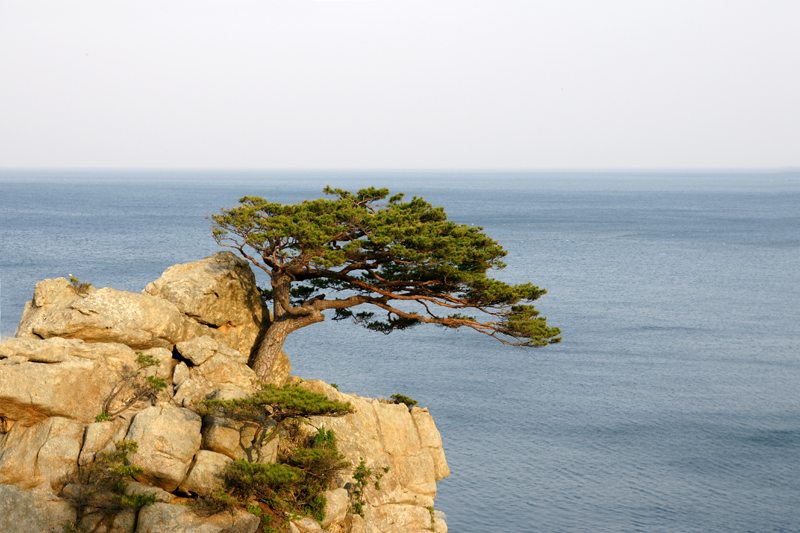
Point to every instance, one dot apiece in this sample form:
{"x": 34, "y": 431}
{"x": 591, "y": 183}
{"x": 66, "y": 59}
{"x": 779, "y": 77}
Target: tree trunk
{"x": 283, "y": 323}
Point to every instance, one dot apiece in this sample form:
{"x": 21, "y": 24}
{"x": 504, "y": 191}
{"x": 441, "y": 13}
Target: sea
{"x": 672, "y": 404}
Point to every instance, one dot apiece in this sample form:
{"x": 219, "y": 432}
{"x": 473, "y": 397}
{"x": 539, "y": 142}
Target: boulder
{"x": 167, "y": 439}
{"x": 219, "y": 291}
{"x": 46, "y": 452}
{"x": 219, "y": 368}
{"x": 49, "y": 293}
{"x": 32, "y": 511}
{"x": 336, "y": 505}
{"x": 102, "y": 436}
{"x": 206, "y": 474}
{"x": 223, "y": 436}
{"x": 135, "y": 489}
{"x": 199, "y": 349}
{"x": 108, "y": 315}
{"x": 168, "y": 518}
{"x": 123, "y": 521}
{"x": 400, "y": 445}
{"x": 58, "y": 377}
{"x": 306, "y": 525}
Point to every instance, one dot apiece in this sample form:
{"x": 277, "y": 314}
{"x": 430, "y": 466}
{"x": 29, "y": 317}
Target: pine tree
{"x": 402, "y": 257}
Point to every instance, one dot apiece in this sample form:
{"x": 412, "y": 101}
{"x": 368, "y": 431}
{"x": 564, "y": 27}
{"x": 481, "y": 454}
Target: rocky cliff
{"x": 144, "y": 360}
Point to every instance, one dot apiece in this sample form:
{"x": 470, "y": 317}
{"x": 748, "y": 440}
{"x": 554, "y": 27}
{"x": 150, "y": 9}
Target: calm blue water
{"x": 673, "y": 403}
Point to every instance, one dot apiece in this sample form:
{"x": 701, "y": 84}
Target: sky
{"x": 400, "y": 84}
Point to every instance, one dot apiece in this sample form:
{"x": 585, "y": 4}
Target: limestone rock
{"x": 336, "y": 506}
{"x": 49, "y": 293}
{"x": 123, "y": 521}
{"x": 306, "y": 525}
{"x": 74, "y": 382}
{"x": 108, "y": 315}
{"x": 139, "y": 489}
{"x": 33, "y": 511}
{"x": 221, "y": 368}
{"x": 220, "y": 371}
{"x": 439, "y": 522}
{"x": 46, "y": 452}
{"x": 219, "y": 291}
{"x": 398, "y": 444}
{"x": 167, "y": 439}
{"x": 281, "y": 370}
{"x": 399, "y": 518}
{"x": 223, "y": 436}
{"x": 167, "y": 518}
{"x": 206, "y": 474}
{"x": 199, "y": 349}
{"x": 180, "y": 374}
{"x": 432, "y": 440}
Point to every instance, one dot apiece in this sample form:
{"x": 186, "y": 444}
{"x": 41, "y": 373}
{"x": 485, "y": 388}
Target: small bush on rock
{"x": 101, "y": 485}
{"x": 307, "y": 464}
{"x": 133, "y": 386}
{"x": 80, "y": 287}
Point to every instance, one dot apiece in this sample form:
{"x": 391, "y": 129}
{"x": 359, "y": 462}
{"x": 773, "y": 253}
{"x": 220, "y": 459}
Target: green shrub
{"x": 132, "y": 386}
{"x": 399, "y": 398}
{"x": 363, "y": 477}
{"x": 101, "y": 484}
{"x": 80, "y": 287}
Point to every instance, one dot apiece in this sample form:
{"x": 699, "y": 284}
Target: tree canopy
{"x": 402, "y": 257}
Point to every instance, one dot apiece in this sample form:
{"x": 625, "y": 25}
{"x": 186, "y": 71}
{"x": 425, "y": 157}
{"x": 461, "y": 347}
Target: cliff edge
{"x": 97, "y": 376}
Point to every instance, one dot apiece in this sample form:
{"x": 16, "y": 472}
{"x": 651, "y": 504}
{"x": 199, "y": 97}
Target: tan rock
{"x": 167, "y": 518}
{"x": 337, "y": 503}
{"x": 46, "y": 452}
{"x": 399, "y": 518}
{"x": 281, "y": 370}
{"x": 123, "y": 521}
{"x": 219, "y": 291}
{"x": 220, "y": 371}
{"x": 206, "y": 474}
{"x": 180, "y": 374}
{"x": 75, "y": 383}
{"x": 95, "y": 438}
{"x": 139, "y": 489}
{"x": 401, "y": 446}
{"x": 439, "y": 522}
{"x": 34, "y": 511}
{"x": 108, "y": 315}
{"x": 167, "y": 439}
{"x": 306, "y": 525}
{"x": 49, "y": 293}
{"x": 223, "y": 436}
{"x": 199, "y": 349}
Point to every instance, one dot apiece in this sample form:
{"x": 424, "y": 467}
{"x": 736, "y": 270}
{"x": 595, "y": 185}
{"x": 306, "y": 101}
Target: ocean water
{"x": 673, "y": 403}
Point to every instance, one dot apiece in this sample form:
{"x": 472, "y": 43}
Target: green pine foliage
{"x": 399, "y": 398}
{"x": 100, "y": 486}
{"x": 132, "y": 386}
{"x": 294, "y": 485}
{"x": 275, "y": 403}
{"x": 352, "y": 249}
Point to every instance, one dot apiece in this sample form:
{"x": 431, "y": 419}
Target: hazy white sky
{"x": 400, "y": 84}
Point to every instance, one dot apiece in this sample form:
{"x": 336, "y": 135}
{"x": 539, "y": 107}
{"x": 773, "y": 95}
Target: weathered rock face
{"x": 206, "y": 474}
{"x": 198, "y": 323}
{"x": 167, "y": 518}
{"x": 32, "y": 511}
{"x": 403, "y": 446}
{"x": 46, "y": 452}
{"x": 216, "y": 367}
{"x": 219, "y": 291}
{"x": 58, "y": 377}
{"x": 167, "y": 440}
{"x": 108, "y": 315}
